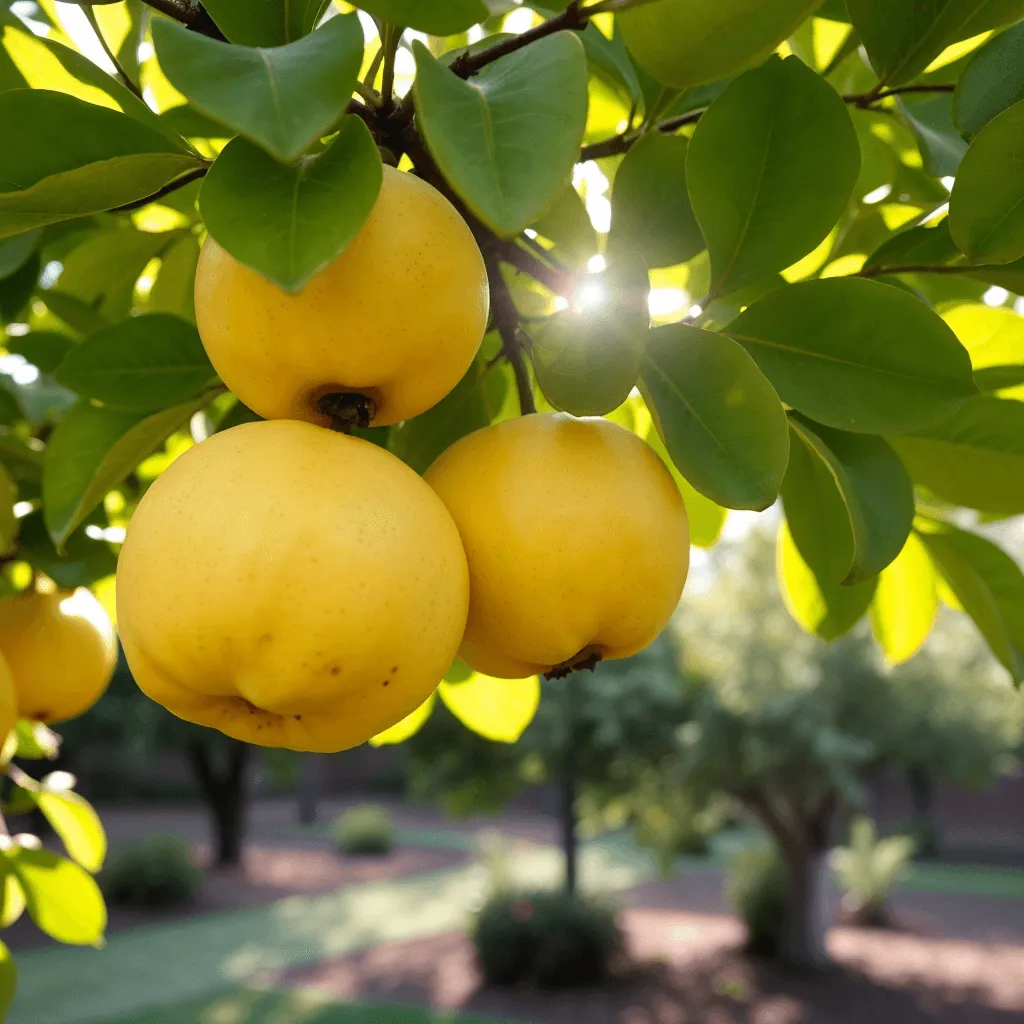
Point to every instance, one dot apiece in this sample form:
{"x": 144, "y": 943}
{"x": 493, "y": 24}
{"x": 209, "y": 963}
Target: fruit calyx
{"x": 347, "y": 410}
{"x": 585, "y": 660}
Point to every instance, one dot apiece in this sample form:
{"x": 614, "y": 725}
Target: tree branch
{"x": 191, "y": 13}
{"x": 506, "y": 320}
{"x": 173, "y": 186}
{"x": 389, "y": 45}
{"x": 555, "y": 279}
{"x": 916, "y": 268}
{"x": 90, "y": 16}
{"x": 865, "y": 100}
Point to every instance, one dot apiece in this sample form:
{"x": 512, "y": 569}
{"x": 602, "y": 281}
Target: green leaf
{"x": 706, "y": 518}
{"x": 92, "y": 450}
{"x": 77, "y": 825}
{"x": 16, "y": 290}
{"x": 284, "y": 99}
{"x": 142, "y": 364}
{"x": 906, "y": 603}
{"x": 857, "y": 355}
{"x": 265, "y": 22}
{"x": 16, "y": 250}
{"x": 942, "y": 148}
{"x": 992, "y": 82}
{"x": 917, "y": 246}
{"x": 174, "y": 288}
{"x": 567, "y": 226}
{"x": 62, "y": 898}
{"x": 35, "y": 741}
{"x": 80, "y": 563}
{"x": 75, "y": 312}
{"x": 8, "y": 522}
{"x": 587, "y": 358}
{"x": 506, "y": 140}
{"x": 12, "y": 898}
{"x": 902, "y": 37}
{"x": 497, "y": 709}
{"x": 474, "y": 402}
{"x": 64, "y": 159}
{"x": 975, "y": 458}
{"x": 986, "y": 208}
{"x": 8, "y": 980}
{"x": 651, "y": 211}
{"x": 407, "y": 727}
{"x": 288, "y": 223}
{"x": 771, "y": 167}
{"x": 721, "y": 421}
{"x": 827, "y": 610}
{"x": 611, "y": 59}
{"x": 436, "y": 17}
{"x": 987, "y": 584}
{"x": 689, "y": 42}
{"x": 43, "y": 349}
{"x": 849, "y": 502}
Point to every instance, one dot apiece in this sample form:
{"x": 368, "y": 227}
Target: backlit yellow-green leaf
{"x": 77, "y": 824}
{"x": 497, "y": 709}
{"x": 407, "y": 727}
{"x": 905, "y": 603}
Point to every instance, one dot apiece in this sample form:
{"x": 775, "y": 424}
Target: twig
{"x": 555, "y": 279}
{"x": 173, "y": 186}
{"x": 506, "y": 320}
{"x": 191, "y": 13}
{"x": 371, "y": 72}
{"x": 865, "y": 100}
{"x": 389, "y": 44}
{"x": 369, "y": 94}
{"x": 90, "y": 16}
{"x": 916, "y": 268}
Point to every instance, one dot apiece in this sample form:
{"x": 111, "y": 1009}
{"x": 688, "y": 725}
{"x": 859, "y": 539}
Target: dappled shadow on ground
{"x": 690, "y": 969}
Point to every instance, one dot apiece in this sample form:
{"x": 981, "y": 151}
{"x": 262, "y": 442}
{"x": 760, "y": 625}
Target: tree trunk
{"x": 803, "y": 939}
{"x": 922, "y": 798}
{"x": 569, "y": 840}
{"x": 308, "y": 788}
{"x": 225, "y": 797}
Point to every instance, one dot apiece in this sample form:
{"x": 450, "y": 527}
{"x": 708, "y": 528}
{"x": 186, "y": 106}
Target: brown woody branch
{"x": 505, "y": 317}
{"x": 915, "y": 268}
{"x": 172, "y": 186}
{"x": 191, "y": 13}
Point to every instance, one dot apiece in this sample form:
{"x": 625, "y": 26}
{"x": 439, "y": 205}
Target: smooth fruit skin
{"x": 576, "y": 536}
{"x": 291, "y": 587}
{"x": 60, "y": 648}
{"x": 398, "y": 316}
{"x": 691, "y": 42}
{"x": 8, "y": 701}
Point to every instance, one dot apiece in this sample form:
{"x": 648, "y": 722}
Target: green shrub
{"x": 868, "y": 870}
{"x": 154, "y": 872}
{"x": 757, "y": 887}
{"x": 365, "y": 831}
{"x": 548, "y": 939}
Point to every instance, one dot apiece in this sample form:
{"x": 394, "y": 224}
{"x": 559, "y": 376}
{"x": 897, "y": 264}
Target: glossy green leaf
{"x": 688, "y": 42}
{"x": 80, "y": 562}
{"x": 992, "y": 82}
{"x": 507, "y": 139}
{"x": 407, "y": 727}
{"x": 706, "y": 518}
{"x": 827, "y": 610}
{"x": 43, "y": 349}
{"x": 142, "y": 364}
{"x": 265, "y": 22}
{"x": 77, "y": 825}
{"x": 62, "y": 898}
{"x": 986, "y": 208}
{"x": 771, "y": 167}
{"x": 906, "y": 603}
{"x": 436, "y": 17}
{"x": 942, "y": 148}
{"x": 986, "y": 583}
{"x": 8, "y": 980}
{"x": 288, "y": 223}
{"x": 174, "y": 288}
{"x": 611, "y": 59}
{"x": 474, "y": 402}
{"x": 568, "y": 227}
{"x": 64, "y": 158}
{"x": 902, "y": 37}
{"x": 284, "y": 98}
{"x": 8, "y": 521}
{"x": 587, "y": 358}
{"x": 497, "y": 709}
{"x": 857, "y": 355}
{"x": 92, "y": 450}
{"x": 16, "y": 290}
{"x": 651, "y": 211}
{"x": 975, "y": 458}
{"x": 915, "y": 247}
{"x": 16, "y": 250}
{"x": 994, "y": 338}
{"x": 720, "y": 419}
{"x": 849, "y": 502}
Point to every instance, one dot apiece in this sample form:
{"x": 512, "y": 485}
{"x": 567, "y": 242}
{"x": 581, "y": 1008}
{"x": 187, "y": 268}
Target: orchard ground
{"x": 303, "y": 935}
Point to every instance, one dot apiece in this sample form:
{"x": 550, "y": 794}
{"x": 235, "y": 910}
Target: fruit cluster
{"x": 295, "y": 586}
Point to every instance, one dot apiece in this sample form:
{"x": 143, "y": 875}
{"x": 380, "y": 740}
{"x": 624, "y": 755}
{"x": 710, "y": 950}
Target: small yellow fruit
{"x": 691, "y": 42}
{"x": 291, "y": 587}
{"x": 60, "y": 648}
{"x": 576, "y": 537}
{"x": 397, "y": 317}
{"x": 8, "y": 701}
